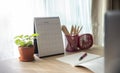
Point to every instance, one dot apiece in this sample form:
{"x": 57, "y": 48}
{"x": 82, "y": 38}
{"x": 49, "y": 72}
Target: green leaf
{"x": 18, "y": 37}
{"x": 19, "y": 42}
{"x": 29, "y": 43}
{"x": 25, "y": 40}
{"x": 22, "y": 43}
{"x": 35, "y": 35}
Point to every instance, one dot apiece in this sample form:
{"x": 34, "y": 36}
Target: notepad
{"x": 93, "y": 62}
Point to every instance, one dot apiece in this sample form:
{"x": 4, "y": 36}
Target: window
{"x": 71, "y": 12}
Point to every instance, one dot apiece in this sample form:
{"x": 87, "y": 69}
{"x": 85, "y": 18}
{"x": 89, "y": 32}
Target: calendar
{"x": 50, "y": 40}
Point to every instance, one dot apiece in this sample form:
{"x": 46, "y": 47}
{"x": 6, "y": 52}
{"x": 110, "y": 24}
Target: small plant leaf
{"x": 35, "y": 35}
{"x": 25, "y": 40}
{"x": 19, "y": 42}
{"x": 29, "y": 43}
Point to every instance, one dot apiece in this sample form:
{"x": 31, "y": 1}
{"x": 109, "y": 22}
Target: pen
{"x": 83, "y": 56}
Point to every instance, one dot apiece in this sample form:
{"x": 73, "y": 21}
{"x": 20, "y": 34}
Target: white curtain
{"x": 71, "y": 12}
{"x": 16, "y": 17}
{"x": 98, "y": 12}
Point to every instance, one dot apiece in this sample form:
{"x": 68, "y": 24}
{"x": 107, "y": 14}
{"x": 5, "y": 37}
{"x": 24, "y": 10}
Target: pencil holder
{"x": 72, "y": 43}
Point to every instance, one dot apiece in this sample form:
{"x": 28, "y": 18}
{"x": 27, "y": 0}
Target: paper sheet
{"x": 96, "y": 65}
{"x": 74, "y": 58}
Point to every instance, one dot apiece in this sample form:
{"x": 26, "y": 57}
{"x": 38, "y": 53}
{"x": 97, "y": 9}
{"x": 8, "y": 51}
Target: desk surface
{"x": 44, "y": 65}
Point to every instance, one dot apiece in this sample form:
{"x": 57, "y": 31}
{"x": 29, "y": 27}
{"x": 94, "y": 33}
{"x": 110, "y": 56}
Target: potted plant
{"x": 26, "y": 46}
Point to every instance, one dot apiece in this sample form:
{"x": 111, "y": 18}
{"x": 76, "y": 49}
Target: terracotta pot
{"x": 26, "y": 54}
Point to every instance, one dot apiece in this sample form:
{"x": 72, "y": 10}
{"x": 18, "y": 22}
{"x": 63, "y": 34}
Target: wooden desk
{"x": 44, "y": 65}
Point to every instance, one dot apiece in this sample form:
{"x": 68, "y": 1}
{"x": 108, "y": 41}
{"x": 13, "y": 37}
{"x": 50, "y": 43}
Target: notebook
{"x": 93, "y": 62}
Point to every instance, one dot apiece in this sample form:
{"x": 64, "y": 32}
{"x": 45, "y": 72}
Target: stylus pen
{"x": 83, "y": 56}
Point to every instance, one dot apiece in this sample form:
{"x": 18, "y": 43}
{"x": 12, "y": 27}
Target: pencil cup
{"x": 72, "y": 43}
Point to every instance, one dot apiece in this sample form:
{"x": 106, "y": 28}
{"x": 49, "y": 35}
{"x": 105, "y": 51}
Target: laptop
{"x": 112, "y": 42}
